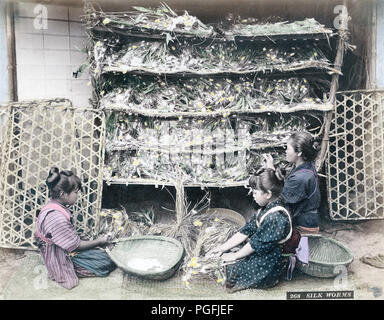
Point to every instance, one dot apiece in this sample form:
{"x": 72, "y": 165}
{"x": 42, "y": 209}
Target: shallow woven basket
{"x": 228, "y": 215}
{"x": 168, "y": 251}
{"x": 326, "y": 257}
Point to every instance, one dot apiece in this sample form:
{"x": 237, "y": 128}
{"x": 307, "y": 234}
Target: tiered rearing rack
{"x": 234, "y": 141}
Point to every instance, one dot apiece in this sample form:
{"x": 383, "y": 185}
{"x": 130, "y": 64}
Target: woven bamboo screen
{"x": 356, "y": 157}
{"x": 37, "y": 137}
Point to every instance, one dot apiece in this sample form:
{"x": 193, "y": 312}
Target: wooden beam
{"x": 372, "y": 50}
{"x": 11, "y": 48}
{"x": 334, "y": 86}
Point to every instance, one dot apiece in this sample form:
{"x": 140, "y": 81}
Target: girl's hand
{"x": 218, "y": 249}
{"x": 229, "y": 257}
{"x": 214, "y": 252}
{"x": 211, "y": 254}
{"x": 268, "y": 161}
{"x": 104, "y": 240}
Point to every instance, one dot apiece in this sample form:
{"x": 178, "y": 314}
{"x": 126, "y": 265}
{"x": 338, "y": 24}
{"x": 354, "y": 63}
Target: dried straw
{"x": 198, "y": 231}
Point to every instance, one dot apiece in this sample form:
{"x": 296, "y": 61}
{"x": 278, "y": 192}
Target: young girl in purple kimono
{"x": 65, "y": 255}
{"x": 259, "y": 263}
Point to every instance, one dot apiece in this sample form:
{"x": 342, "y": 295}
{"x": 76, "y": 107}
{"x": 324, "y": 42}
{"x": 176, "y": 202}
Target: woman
{"x": 301, "y": 191}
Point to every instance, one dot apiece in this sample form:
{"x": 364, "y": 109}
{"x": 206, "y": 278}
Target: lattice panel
{"x": 36, "y": 139}
{"x": 356, "y": 157}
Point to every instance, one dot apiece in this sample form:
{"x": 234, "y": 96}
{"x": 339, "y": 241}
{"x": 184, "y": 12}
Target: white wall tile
{"x": 58, "y": 88}
{"x": 80, "y": 86}
{"x": 29, "y": 72}
{"x": 81, "y": 100}
{"x": 78, "y": 58}
{"x": 75, "y": 14}
{"x": 77, "y": 43}
{"x": 30, "y": 95}
{"x": 58, "y": 72}
{"x": 57, "y": 12}
{"x": 56, "y": 42}
{"x": 30, "y": 57}
{"x": 26, "y": 25}
{"x": 31, "y": 89}
{"x": 56, "y": 58}
{"x": 77, "y": 29}
{"x": 57, "y": 28}
{"x": 29, "y": 41}
{"x": 25, "y": 9}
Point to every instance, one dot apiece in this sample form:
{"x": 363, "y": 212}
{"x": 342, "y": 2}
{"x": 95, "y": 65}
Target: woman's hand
{"x": 268, "y": 161}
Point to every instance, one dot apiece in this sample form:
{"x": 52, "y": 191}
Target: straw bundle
{"x": 250, "y": 28}
{"x": 198, "y": 231}
{"x": 147, "y": 22}
{"x": 117, "y": 223}
{"x": 200, "y": 264}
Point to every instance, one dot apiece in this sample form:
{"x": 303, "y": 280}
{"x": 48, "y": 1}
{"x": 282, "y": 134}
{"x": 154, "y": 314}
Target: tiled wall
{"x": 3, "y": 56}
{"x": 47, "y": 58}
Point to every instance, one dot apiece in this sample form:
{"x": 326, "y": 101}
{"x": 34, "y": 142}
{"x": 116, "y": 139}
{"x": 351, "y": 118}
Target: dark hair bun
{"x": 53, "y": 177}
{"x": 67, "y": 173}
{"x": 316, "y": 146}
{"x": 302, "y": 141}
{"x": 267, "y": 179}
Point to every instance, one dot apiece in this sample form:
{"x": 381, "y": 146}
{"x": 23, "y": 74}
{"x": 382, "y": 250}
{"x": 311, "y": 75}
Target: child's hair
{"x": 61, "y": 181}
{"x": 267, "y": 179}
{"x": 304, "y": 142}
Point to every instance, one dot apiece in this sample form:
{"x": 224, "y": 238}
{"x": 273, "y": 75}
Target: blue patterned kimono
{"x": 263, "y": 267}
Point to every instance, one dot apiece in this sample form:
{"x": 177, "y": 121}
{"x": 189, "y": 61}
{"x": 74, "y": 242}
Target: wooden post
{"x": 12, "y": 72}
{"x": 334, "y": 86}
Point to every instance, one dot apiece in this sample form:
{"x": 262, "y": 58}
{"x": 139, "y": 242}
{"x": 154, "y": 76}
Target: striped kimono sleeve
{"x": 61, "y": 232}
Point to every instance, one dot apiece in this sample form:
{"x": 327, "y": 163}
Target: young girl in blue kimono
{"x": 301, "y": 192}
{"x": 259, "y": 263}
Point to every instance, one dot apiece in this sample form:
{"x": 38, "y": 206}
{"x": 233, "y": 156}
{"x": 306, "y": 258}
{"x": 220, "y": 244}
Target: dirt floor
{"x": 362, "y": 238}
{"x": 23, "y": 276}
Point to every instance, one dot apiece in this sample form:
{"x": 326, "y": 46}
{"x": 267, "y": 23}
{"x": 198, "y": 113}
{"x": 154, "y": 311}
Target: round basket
{"x": 149, "y": 257}
{"x": 228, "y": 215}
{"x": 326, "y": 257}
